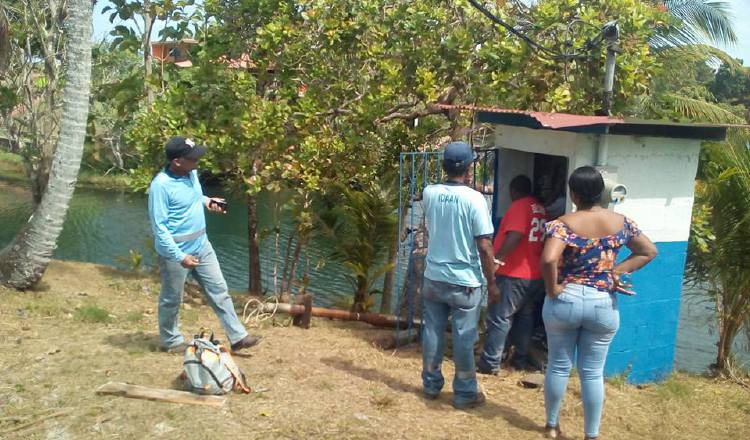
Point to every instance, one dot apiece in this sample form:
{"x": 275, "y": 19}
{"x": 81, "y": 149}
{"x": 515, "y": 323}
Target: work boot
{"x": 526, "y": 363}
{"x": 246, "y": 342}
{"x": 478, "y": 401}
{"x": 487, "y": 371}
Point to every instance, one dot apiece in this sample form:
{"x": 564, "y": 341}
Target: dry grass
{"x": 326, "y": 382}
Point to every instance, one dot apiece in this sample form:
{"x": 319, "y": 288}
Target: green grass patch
{"x": 673, "y": 389}
{"x": 10, "y": 158}
{"x": 742, "y": 403}
{"x": 618, "y": 381}
{"x": 134, "y": 317}
{"x": 45, "y": 309}
{"x": 11, "y": 167}
{"x": 93, "y": 180}
{"x": 92, "y": 314}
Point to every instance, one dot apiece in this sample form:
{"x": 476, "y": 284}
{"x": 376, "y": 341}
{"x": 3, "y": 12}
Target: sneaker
{"x": 246, "y": 342}
{"x": 430, "y": 396}
{"x": 478, "y": 401}
{"x": 175, "y": 349}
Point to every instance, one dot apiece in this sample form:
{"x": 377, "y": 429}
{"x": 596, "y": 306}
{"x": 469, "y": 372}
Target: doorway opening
{"x": 548, "y": 175}
{"x": 550, "y": 183}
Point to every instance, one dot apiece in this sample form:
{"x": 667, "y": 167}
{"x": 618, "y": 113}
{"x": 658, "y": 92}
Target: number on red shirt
{"x": 537, "y": 229}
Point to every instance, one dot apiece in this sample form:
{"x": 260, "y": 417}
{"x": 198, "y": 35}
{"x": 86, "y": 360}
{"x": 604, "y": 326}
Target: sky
{"x": 740, "y": 10}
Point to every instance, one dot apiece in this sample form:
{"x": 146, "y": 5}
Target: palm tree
{"x": 23, "y": 262}
{"x": 701, "y": 21}
{"x": 361, "y": 224}
{"x": 701, "y": 25}
{"x": 719, "y": 261}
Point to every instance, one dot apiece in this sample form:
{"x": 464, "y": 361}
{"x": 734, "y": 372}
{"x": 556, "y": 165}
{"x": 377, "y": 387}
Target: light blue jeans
{"x": 208, "y": 274}
{"x": 581, "y": 321}
{"x": 441, "y": 300}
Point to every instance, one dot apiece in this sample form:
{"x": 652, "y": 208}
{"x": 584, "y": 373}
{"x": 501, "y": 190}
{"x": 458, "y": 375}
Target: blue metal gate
{"x": 416, "y": 171}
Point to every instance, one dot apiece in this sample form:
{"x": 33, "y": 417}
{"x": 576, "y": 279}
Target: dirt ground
{"x": 88, "y": 325}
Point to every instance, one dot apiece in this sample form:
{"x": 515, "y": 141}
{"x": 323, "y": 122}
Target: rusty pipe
{"x": 375, "y": 319}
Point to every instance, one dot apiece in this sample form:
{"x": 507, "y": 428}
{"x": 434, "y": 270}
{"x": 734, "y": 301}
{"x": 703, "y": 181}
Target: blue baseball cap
{"x": 458, "y": 156}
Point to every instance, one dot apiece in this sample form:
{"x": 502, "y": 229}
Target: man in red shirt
{"x": 518, "y": 246}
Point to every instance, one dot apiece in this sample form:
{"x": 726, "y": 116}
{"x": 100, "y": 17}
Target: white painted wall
{"x": 510, "y": 164}
{"x": 659, "y": 172}
{"x": 660, "y": 176}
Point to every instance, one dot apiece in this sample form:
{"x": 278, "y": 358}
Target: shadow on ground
{"x": 488, "y": 411}
{"x": 136, "y": 341}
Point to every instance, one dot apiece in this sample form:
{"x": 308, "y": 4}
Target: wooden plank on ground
{"x": 158, "y": 394}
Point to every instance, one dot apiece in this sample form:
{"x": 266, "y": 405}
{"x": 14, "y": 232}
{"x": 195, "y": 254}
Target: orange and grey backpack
{"x": 208, "y": 367}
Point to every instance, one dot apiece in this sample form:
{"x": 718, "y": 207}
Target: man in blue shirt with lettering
{"x": 459, "y": 259}
{"x": 175, "y": 208}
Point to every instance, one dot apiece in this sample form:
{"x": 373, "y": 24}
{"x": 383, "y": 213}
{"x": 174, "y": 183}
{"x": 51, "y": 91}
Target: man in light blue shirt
{"x": 175, "y": 207}
{"x": 459, "y": 258}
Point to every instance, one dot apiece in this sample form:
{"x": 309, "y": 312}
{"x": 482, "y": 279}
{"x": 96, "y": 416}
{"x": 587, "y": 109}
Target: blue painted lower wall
{"x": 645, "y": 344}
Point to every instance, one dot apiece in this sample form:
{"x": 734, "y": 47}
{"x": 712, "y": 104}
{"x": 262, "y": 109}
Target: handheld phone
{"x": 625, "y": 283}
{"x": 222, "y": 205}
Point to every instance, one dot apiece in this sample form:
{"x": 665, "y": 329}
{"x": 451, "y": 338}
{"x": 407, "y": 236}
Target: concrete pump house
{"x": 650, "y": 168}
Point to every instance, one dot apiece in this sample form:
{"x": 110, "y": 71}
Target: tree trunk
{"x": 727, "y": 332}
{"x": 360, "y": 297}
{"x": 38, "y": 173}
{"x": 293, "y": 269}
{"x": 253, "y": 250}
{"x": 23, "y": 262}
{"x": 411, "y": 298}
{"x": 5, "y": 43}
{"x": 148, "y": 25}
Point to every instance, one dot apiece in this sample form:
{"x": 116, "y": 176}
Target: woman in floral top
{"x": 581, "y": 278}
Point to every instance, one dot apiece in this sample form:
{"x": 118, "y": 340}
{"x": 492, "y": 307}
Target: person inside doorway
{"x": 518, "y": 246}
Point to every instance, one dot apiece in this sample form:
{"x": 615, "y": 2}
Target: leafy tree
{"x": 117, "y": 93}
{"x": 23, "y": 262}
{"x": 180, "y": 18}
{"x": 302, "y": 94}
{"x": 33, "y": 54}
{"x": 731, "y": 85}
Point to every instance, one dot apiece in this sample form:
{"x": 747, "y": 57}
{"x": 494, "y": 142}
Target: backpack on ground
{"x": 208, "y": 367}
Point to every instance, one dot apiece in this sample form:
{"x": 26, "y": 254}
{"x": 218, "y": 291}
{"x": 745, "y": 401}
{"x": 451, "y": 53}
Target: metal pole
{"x": 611, "y": 34}
{"x": 398, "y": 235}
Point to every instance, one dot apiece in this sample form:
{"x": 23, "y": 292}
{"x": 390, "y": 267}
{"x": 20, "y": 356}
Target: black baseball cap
{"x": 458, "y": 156}
{"x": 180, "y": 146}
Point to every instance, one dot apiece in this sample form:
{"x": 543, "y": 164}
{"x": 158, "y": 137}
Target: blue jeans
{"x": 582, "y": 320}
{"x": 518, "y": 299}
{"x": 208, "y": 274}
{"x": 462, "y": 304}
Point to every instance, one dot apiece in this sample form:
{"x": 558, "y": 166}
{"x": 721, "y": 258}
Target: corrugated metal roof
{"x": 596, "y": 124}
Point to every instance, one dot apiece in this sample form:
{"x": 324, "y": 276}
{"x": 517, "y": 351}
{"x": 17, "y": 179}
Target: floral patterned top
{"x": 590, "y": 261}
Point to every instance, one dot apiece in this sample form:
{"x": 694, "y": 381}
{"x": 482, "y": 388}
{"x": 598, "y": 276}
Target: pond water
{"x": 103, "y": 226}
